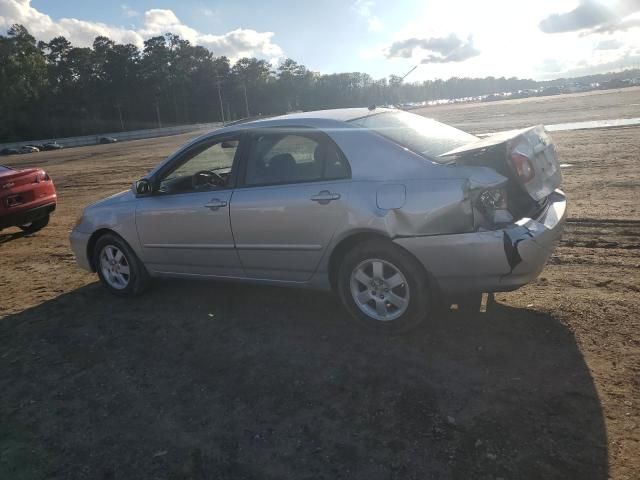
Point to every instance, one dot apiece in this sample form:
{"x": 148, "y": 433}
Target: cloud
{"x": 159, "y": 21}
{"x": 610, "y": 44}
{"x": 440, "y": 49}
{"x": 591, "y": 14}
{"x": 620, "y": 26}
{"x": 243, "y": 43}
{"x": 44, "y": 28}
{"x": 588, "y": 14}
{"x": 364, "y": 9}
{"x": 128, "y": 12}
{"x": 234, "y": 44}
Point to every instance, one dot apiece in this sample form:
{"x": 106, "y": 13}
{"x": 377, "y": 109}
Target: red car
{"x": 27, "y": 198}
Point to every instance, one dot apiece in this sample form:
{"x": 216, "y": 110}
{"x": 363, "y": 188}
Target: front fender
{"x": 117, "y": 214}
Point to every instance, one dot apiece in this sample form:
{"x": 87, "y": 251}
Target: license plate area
{"x": 15, "y": 200}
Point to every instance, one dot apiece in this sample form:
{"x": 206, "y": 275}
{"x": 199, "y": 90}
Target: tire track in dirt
{"x": 602, "y": 233}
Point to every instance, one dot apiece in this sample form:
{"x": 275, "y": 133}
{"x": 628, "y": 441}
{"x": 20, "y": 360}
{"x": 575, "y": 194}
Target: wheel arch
{"x": 91, "y": 244}
{"x": 350, "y": 241}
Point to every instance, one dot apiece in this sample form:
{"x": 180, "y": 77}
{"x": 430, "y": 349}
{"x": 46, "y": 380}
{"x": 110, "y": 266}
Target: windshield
{"x": 4, "y": 169}
{"x": 419, "y": 134}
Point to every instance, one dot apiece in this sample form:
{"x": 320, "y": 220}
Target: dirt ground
{"x": 509, "y": 114}
{"x": 217, "y": 381}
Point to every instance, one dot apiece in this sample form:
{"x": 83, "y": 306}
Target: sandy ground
{"x": 214, "y": 381}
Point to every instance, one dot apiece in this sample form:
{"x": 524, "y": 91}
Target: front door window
{"x": 207, "y": 167}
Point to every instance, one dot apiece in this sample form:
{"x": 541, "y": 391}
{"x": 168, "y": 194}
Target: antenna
{"x": 407, "y": 74}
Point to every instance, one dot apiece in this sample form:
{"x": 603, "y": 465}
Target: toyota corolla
{"x": 392, "y": 211}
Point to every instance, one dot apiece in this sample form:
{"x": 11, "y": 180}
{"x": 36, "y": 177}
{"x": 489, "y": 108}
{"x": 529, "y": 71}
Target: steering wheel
{"x": 206, "y": 177}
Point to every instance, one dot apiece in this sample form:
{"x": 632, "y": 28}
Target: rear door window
{"x": 281, "y": 158}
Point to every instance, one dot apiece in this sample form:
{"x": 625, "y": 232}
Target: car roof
{"x": 338, "y": 114}
{"x": 316, "y": 118}
{"x": 373, "y": 163}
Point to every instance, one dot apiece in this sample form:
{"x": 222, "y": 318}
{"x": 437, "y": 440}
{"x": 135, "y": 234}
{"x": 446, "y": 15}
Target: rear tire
{"x": 118, "y": 267}
{"x": 36, "y": 225}
{"x": 383, "y": 287}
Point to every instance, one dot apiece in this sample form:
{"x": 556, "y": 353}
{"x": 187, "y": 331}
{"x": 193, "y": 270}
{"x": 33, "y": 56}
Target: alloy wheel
{"x": 379, "y": 289}
{"x": 114, "y": 267}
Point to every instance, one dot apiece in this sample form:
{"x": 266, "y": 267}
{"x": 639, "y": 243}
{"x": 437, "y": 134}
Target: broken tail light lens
{"x": 493, "y": 204}
{"x": 493, "y": 199}
{"x": 522, "y": 166}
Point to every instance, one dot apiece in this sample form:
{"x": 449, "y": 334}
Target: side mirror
{"x": 142, "y": 187}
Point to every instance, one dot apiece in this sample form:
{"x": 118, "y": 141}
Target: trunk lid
{"x": 15, "y": 178}
{"x": 497, "y": 151}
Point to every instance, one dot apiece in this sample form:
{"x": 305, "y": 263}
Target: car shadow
{"x": 208, "y": 380}
{"x": 7, "y": 237}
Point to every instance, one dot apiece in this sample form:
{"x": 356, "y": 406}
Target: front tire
{"x": 384, "y": 287}
{"x": 118, "y": 267}
{"x": 36, "y": 225}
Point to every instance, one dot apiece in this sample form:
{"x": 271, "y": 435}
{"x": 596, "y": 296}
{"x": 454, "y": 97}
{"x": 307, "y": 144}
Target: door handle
{"x": 325, "y": 196}
{"x": 215, "y": 204}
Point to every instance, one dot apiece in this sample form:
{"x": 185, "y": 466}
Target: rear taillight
{"x": 522, "y": 167}
{"x": 42, "y": 177}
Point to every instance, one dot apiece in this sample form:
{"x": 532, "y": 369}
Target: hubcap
{"x": 380, "y": 289}
{"x": 114, "y": 267}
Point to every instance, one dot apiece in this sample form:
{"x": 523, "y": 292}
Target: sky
{"x": 444, "y": 38}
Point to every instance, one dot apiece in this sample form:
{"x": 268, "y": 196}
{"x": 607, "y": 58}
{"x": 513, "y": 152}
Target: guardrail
{"x": 120, "y": 136}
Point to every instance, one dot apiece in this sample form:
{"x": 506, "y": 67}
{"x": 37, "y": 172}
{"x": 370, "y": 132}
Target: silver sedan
{"x": 392, "y": 211}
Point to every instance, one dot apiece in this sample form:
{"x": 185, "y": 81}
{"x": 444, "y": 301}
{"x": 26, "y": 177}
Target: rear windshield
{"x": 419, "y": 134}
{"x": 4, "y": 169}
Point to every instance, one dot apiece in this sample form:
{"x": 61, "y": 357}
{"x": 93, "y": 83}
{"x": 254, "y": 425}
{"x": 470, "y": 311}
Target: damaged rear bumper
{"x": 492, "y": 261}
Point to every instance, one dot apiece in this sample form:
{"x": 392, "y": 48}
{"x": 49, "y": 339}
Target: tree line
{"x": 53, "y": 89}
